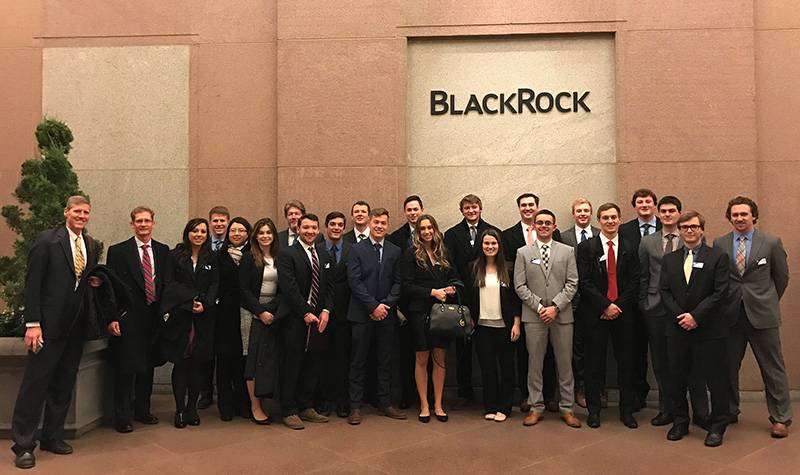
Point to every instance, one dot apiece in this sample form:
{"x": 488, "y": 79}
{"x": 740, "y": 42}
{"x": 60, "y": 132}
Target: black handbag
{"x": 450, "y": 320}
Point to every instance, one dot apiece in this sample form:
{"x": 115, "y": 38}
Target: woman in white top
{"x": 496, "y": 310}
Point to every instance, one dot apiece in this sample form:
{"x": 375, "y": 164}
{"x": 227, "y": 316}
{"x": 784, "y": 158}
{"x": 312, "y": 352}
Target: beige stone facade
{"x": 190, "y": 103}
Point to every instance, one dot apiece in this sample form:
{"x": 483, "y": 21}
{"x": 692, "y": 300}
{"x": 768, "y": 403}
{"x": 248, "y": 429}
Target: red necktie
{"x": 612, "y": 293}
{"x": 147, "y": 273}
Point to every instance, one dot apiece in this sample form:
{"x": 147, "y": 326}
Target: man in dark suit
{"x": 462, "y": 246}
{"x": 759, "y": 274}
{"x": 139, "y": 262}
{"x": 374, "y": 279}
{"x": 646, "y": 223}
{"x": 306, "y": 301}
{"x": 401, "y": 237}
{"x": 292, "y": 211}
{"x": 524, "y": 234}
{"x": 359, "y": 212}
{"x": 693, "y": 283}
{"x": 608, "y": 267}
{"x": 55, "y": 332}
{"x": 581, "y": 231}
{"x": 337, "y": 365}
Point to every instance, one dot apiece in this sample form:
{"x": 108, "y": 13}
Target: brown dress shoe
{"x": 779, "y": 431}
{"x": 293, "y": 422}
{"x": 570, "y": 419}
{"x": 354, "y": 418}
{"x": 391, "y": 412}
{"x": 532, "y": 418}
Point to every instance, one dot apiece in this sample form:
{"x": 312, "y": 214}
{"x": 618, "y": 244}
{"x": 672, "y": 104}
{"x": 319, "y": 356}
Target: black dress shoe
{"x": 424, "y": 419}
{"x": 661, "y": 419}
{"x": 713, "y": 439}
{"x": 180, "y": 421}
{"x": 226, "y": 417}
{"x": 56, "y": 446}
{"x": 593, "y": 421}
{"x": 25, "y": 460}
{"x": 629, "y": 421}
{"x": 192, "y": 418}
{"x": 123, "y": 427}
{"x": 677, "y": 432}
{"x": 342, "y": 411}
{"x": 148, "y": 419}
{"x": 205, "y": 401}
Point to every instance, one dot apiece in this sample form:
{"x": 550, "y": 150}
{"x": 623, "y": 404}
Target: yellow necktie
{"x": 80, "y": 263}
{"x": 687, "y": 266}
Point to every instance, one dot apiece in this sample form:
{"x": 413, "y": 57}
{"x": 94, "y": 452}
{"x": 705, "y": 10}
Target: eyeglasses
{"x": 543, "y": 223}
{"x": 689, "y": 227}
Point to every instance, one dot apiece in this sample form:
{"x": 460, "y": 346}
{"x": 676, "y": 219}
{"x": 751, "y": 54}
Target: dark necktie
{"x": 612, "y": 292}
{"x": 361, "y": 237}
{"x": 312, "y": 300}
{"x": 546, "y": 256}
{"x": 334, "y": 254}
{"x": 378, "y": 251}
{"x": 473, "y": 233}
{"x": 645, "y": 229}
{"x": 583, "y": 235}
{"x": 147, "y": 274}
{"x": 669, "y": 247}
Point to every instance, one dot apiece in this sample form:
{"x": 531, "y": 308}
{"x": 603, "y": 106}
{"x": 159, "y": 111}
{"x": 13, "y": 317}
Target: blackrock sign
{"x": 519, "y": 102}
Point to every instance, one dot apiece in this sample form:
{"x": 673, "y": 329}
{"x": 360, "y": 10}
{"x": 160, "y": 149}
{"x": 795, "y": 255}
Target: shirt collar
{"x": 72, "y": 235}
{"x": 329, "y": 244}
{"x": 604, "y": 240}
{"x": 652, "y": 222}
{"x": 748, "y": 235}
{"x": 140, "y": 243}
{"x": 375, "y": 242}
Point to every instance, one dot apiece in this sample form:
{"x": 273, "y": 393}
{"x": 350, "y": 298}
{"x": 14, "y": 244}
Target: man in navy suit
{"x": 375, "y": 290}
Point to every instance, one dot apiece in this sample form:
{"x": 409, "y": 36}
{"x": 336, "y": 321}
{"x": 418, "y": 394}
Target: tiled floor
{"x": 466, "y": 444}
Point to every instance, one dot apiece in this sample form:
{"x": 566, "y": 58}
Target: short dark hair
{"x": 607, "y": 206}
{"x": 294, "y": 204}
{"x": 643, "y": 193}
{"x": 742, "y": 200}
{"x": 219, "y": 210}
{"x": 360, "y": 203}
{"x": 691, "y": 214}
{"x": 470, "y": 199}
{"x": 333, "y": 215}
{"x": 374, "y": 213}
{"x": 528, "y": 195}
{"x": 309, "y": 216}
{"x": 547, "y": 212}
{"x": 413, "y": 198}
{"x": 142, "y": 209}
{"x": 669, "y": 200}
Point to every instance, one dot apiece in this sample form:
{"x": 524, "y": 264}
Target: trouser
{"x": 132, "y": 393}
{"x": 363, "y": 335}
{"x": 639, "y": 352}
{"x": 188, "y": 376}
{"x": 537, "y": 336}
{"x": 621, "y": 334}
{"x": 336, "y": 367}
{"x": 232, "y": 396}
{"x": 521, "y": 357}
{"x": 494, "y": 348}
{"x": 708, "y": 356}
{"x": 766, "y": 346}
{"x": 578, "y": 352}
{"x": 299, "y": 375}
{"x": 47, "y": 383}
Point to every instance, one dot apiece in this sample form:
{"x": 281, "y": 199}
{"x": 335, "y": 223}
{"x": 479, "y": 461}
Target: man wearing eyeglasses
{"x": 694, "y": 281}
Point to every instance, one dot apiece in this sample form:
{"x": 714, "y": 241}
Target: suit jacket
{"x": 251, "y": 277}
{"x": 631, "y": 232}
{"x": 417, "y": 282}
{"x": 702, "y": 296}
{"x": 350, "y": 236}
{"x": 510, "y": 305}
{"x": 50, "y": 295}
{"x": 555, "y": 285}
{"x": 651, "y": 251}
{"x": 294, "y": 279}
{"x": 401, "y": 236}
{"x": 341, "y": 287}
{"x": 227, "y": 333}
{"x": 765, "y": 279}
{"x": 593, "y": 279}
{"x": 132, "y": 351}
{"x": 513, "y": 239}
{"x": 462, "y": 252}
{"x": 569, "y": 238}
{"x": 372, "y": 282}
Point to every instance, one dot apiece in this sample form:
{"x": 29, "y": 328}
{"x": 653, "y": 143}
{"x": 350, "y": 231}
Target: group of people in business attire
{"x": 318, "y": 318}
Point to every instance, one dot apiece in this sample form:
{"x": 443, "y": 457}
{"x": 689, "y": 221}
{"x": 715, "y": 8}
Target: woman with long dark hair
{"x": 496, "y": 310}
{"x": 231, "y": 392}
{"x": 258, "y": 282}
{"x": 428, "y": 277}
{"x": 187, "y": 337}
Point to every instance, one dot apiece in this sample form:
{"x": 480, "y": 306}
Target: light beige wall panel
{"x": 248, "y": 192}
{"x": 89, "y": 18}
{"x": 686, "y": 95}
{"x": 239, "y": 21}
{"x": 338, "y": 18}
{"x": 777, "y": 201}
{"x": 776, "y": 14}
{"x": 478, "y": 66}
{"x": 777, "y": 94}
{"x": 442, "y": 187}
{"x": 236, "y": 105}
{"x": 685, "y": 14}
{"x": 126, "y": 106}
{"x": 115, "y": 193}
{"x": 340, "y": 102}
{"x": 20, "y": 22}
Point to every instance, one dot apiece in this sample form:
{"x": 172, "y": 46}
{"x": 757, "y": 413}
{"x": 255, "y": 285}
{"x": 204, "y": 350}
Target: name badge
{"x": 698, "y": 265}
{"x": 327, "y": 265}
{"x": 762, "y": 261}
{"x": 536, "y": 261}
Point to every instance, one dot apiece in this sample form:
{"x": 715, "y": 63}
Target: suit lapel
{"x": 755, "y": 247}
{"x": 132, "y": 255}
{"x": 63, "y": 239}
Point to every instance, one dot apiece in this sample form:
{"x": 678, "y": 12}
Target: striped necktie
{"x": 312, "y": 300}
{"x": 147, "y": 274}
{"x": 80, "y": 262}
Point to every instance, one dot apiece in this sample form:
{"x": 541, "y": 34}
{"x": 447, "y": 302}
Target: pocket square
{"x": 207, "y": 267}
{"x": 328, "y": 265}
{"x": 762, "y": 261}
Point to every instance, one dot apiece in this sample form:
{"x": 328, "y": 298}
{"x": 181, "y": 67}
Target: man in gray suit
{"x": 759, "y": 277}
{"x": 546, "y": 279}
{"x": 583, "y": 230}
{"x": 652, "y": 249}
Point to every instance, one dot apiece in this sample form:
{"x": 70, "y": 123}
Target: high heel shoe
{"x": 262, "y": 422}
{"x": 424, "y": 419}
{"x": 180, "y": 422}
{"x": 441, "y": 417}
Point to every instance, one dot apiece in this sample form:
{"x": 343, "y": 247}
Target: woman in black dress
{"x": 187, "y": 337}
{"x": 258, "y": 282}
{"x": 428, "y": 277}
{"x": 231, "y": 392}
